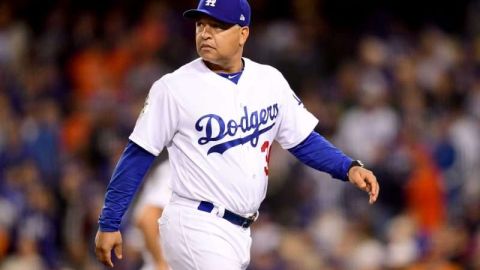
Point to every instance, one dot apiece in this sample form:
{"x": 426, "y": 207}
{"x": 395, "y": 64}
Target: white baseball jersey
{"x": 218, "y": 134}
{"x": 157, "y": 191}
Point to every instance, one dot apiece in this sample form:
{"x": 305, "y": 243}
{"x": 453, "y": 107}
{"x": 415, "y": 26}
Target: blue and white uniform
{"x": 218, "y": 133}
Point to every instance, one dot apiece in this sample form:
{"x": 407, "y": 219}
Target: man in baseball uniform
{"x": 217, "y": 116}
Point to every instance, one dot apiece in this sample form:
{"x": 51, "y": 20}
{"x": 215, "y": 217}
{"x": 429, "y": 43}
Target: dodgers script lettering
{"x": 251, "y": 125}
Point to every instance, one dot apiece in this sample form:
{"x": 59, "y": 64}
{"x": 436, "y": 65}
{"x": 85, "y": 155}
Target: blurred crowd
{"x": 73, "y": 80}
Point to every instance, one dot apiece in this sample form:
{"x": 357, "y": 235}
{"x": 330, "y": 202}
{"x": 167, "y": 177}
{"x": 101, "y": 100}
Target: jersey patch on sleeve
{"x": 145, "y": 106}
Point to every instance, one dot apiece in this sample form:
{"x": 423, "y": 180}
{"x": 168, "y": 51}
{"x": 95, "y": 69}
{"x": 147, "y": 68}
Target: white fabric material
{"x": 198, "y": 115}
{"x": 157, "y": 191}
{"x": 196, "y": 240}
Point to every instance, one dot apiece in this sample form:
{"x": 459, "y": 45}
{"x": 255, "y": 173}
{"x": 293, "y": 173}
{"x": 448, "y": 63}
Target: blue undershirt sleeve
{"x": 127, "y": 177}
{"x": 318, "y": 153}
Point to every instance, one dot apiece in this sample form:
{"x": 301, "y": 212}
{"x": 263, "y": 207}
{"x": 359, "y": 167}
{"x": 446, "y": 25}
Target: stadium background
{"x": 396, "y": 84}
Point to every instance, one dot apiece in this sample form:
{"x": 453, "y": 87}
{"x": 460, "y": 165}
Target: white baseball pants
{"x": 196, "y": 240}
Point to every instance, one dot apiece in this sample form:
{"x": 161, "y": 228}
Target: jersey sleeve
{"x": 296, "y": 123}
{"x": 157, "y": 123}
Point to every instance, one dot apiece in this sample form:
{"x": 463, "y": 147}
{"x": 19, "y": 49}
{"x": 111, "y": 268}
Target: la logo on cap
{"x": 242, "y": 18}
{"x": 210, "y": 3}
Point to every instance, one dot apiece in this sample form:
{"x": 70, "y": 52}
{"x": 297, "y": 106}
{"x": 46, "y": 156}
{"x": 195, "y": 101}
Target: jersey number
{"x": 266, "y": 148}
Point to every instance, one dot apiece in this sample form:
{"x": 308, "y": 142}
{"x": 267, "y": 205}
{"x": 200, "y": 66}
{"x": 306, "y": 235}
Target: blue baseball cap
{"x": 228, "y": 11}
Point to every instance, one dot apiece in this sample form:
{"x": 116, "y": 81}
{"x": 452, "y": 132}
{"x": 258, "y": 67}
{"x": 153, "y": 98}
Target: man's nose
{"x": 206, "y": 31}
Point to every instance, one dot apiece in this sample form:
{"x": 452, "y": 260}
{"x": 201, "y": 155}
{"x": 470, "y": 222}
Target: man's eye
{"x": 222, "y": 26}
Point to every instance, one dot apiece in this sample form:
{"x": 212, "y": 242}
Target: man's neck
{"x": 234, "y": 68}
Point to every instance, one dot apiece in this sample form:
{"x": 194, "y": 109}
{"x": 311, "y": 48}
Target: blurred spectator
{"x": 425, "y": 189}
{"x": 266, "y": 239}
{"x": 401, "y": 249}
{"x": 13, "y": 40}
{"x": 368, "y": 130}
{"x": 27, "y": 256}
{"x": 439, "y": 252}
{"x": 298, "y": 251}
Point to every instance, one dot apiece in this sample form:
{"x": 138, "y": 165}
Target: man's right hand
{"x": 104, "y": 243}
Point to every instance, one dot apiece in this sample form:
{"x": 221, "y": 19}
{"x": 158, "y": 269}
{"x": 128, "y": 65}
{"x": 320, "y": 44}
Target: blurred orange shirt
{"x": 425, "y": 197}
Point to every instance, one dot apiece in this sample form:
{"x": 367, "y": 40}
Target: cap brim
{"x": 195, "y": 13}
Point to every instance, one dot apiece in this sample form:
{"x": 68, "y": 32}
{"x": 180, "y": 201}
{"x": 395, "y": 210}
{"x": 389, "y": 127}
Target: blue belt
{"x": 228, "y": 215}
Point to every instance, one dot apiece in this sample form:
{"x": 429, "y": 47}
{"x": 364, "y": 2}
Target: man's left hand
{"x": 365, "y": 180}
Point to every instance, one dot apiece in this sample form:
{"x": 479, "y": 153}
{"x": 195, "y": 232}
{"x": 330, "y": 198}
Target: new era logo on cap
{"x": 228, "y": 11}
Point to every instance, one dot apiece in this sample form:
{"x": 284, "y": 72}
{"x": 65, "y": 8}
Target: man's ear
{"x": 244, "y": 32}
